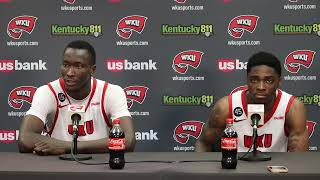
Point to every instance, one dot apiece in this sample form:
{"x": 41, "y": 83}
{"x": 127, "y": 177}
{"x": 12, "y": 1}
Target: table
{"x": 15, "y": 165}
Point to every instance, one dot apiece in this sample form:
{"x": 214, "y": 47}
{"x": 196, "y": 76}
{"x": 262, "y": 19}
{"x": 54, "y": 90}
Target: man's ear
{"x": 280, "y": 82}
{"x": 93, "y": 69}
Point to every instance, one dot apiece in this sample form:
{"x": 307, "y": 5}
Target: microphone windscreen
{"x": 256, "y": 114}
{"x": 76, "y": 113}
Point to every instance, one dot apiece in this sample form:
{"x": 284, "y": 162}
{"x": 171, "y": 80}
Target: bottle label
{"x": 117, "y": 144}
{"x": 229, "y": 143}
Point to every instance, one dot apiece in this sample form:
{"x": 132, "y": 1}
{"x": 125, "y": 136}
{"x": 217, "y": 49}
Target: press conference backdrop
{"x": 174, "y": 58}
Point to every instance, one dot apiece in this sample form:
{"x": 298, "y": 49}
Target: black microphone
{"x": 256, "y": 115}
{"x": 255, "y": 118}
{"x": 75, "y": 113}
{"x": 75, "y": 121}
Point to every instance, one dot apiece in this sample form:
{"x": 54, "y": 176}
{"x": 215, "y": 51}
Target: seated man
{"x": 284, "y": 126}
{"x": 103, "y": 102}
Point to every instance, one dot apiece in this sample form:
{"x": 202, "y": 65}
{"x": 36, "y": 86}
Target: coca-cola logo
{"x": 116, "y": 144}
{"x": 19, "y": 95}
{"x": 229, "y": 143}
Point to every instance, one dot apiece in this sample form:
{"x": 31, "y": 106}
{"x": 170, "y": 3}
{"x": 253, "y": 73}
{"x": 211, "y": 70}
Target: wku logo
{"x": 19, "y": 24}
{"x": 239, "y": 88}
{"x": 69, "y": 1}
{"x": 131, "y": 23}
{"x": 180, "y": 1}
{"x": 20, "y": 95}
{"x": 186, "y": 58}
{"x": 239, "y": 24}
{"x": 135, "y": 93}
{"x": 298, "y": 58}
{"x": 310, "y": 127}
{"x": 184, "y": 130}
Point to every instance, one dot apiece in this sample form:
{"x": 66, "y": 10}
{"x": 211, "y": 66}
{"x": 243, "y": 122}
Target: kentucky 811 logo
{"x": 186, "y": 58}
{"x": 298, "y": 58}
{"x": 184, "y": 130}
{"x": 135, "y": 94}
{"x": 130, "y": 23}
{"x": 21, "y": 24}
{"x": 242, "y": 23}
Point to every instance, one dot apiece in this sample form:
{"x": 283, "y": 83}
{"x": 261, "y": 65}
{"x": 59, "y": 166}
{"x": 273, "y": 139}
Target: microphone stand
{"x": 255, "y": 155}
{"x": 74, "y": 156}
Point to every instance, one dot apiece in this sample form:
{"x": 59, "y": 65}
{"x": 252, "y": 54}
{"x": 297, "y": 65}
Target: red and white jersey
{"x": 271, "y": 135}
{"x": 105, "y": 101}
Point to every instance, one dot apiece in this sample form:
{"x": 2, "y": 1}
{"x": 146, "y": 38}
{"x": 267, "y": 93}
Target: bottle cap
{"x": 229, "y": 121}
{"x": 116, "y": 121}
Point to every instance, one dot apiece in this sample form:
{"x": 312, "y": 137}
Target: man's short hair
{"x": 264, "y": 58}
{"x": 80, "y": 44}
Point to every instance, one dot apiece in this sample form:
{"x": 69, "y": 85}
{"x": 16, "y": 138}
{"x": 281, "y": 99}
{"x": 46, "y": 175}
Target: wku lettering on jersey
{"x": 242, "y": 23}
{"x": 69, "y": 1}
{"x": 20, "y": 95}
{"x": 131, "y": 23}
{"x": 186, "y": 58}
{"x": 184, "y": 130}
{"x": 19, "y": 24}
{"x": 83, "y": 130}
{"x": 298, "y": 58}
{"x": 263, "y": 141}
{"x": 135, "y": 93}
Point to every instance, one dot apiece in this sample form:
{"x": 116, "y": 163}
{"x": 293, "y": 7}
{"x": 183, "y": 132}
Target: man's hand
{"x": 52, "y": 147}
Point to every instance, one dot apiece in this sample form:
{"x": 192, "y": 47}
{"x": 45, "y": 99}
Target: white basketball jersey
{"x": 271, "y": 136}
{"x": 96, "y": 121}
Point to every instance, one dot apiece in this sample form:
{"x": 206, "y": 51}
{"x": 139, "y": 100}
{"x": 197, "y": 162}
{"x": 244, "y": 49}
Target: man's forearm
{"x": 27, "y": 141}
{"x": 202, "y": 147}
{"x": 101, "y": 145}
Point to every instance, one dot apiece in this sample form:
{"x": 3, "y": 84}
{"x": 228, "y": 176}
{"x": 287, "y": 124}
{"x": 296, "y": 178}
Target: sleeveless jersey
{"x": 272, "y": 136}
{"x": 96, "y": 121}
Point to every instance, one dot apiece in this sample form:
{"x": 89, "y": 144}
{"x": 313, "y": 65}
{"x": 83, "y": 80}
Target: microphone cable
{"x": 254, "y": 137}
{"x": 146, "y": 161}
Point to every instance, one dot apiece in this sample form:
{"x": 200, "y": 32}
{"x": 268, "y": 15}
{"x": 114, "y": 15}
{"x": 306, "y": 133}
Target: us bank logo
{"x": 230, "y": 65}
{"x": 120, "y": 65}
